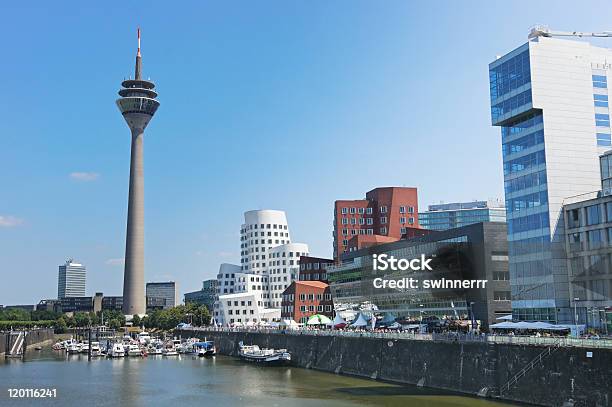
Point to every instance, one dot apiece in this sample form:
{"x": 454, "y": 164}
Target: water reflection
{"x": 195, "y": 381}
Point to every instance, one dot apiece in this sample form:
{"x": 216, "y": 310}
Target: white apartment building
{"x": 252, "y": 292}
{"x": 550, "y": 98}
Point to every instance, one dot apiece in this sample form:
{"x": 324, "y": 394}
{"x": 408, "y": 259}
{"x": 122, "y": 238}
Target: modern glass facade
{"x": 457, "y": 214}
{"x": 476, "y": 251}
{"x": 524, "y": 163}
{"x": 549, "y": 97}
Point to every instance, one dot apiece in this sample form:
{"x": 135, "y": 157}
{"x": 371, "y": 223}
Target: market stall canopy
{"x": 338, "y": 322}
{"x": 289, "y": 323}
{"x": 505, "y": 318}
{"x": 360, "y": 321}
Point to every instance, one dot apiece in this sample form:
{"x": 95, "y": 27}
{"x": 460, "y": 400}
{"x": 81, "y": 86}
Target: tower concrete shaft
{"x": 137, "y": 105}
{"x": 134, "y": 301}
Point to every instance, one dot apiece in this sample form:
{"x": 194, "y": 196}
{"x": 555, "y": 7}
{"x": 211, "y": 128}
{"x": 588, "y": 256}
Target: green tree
{"x": 60, "y": 325}
{"x": 201, "y": 316}
{"x": 82, "y": 319}
{"x": 135, "y": 320}
{"x": 114, "y": 323}
{"x": 14, "y": 314}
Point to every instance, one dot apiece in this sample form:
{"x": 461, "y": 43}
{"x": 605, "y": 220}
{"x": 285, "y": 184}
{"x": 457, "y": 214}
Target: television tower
{"x": 137, "y": 105}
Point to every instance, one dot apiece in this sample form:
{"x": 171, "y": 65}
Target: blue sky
{"x": 268, "y": 104}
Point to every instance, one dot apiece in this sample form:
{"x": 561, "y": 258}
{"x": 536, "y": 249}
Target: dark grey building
{"x": 474, "y": 252}
{"x": 112, "y": 303}
{"x": 167, "y": 291}
{"x": 206, "y": 296}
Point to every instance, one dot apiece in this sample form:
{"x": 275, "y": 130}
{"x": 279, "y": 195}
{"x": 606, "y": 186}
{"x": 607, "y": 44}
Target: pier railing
{"x": 436, "y": 337}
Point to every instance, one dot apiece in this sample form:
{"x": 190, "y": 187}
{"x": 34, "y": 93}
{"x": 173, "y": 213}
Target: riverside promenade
{"x": 546, "y": 371}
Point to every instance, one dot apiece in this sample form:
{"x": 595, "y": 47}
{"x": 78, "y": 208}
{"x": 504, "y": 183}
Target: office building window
{"x": 402, "y": 209}
{"x": 344, "y": 212}
{"x": 383, "y": 220}
{"x": 368, "y": 211}
{"x": 604, "y": 139}
{"x": 602, "y": 120}
{"x": 383, "y": 209}
{"x": 600, "y": 100}
{"x": 593, "y": 215}
{"x": 600, "y": 81}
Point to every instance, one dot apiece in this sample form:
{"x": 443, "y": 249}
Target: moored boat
{"x": 95, "y": 349}
{"x": 206, "y": 348}
{"x": 253, "y": 353}
{"x": 116, "y": 351}
{"x": 134, "y": 350}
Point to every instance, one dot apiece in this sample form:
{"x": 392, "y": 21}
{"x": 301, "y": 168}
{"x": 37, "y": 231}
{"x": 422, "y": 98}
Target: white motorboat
{"x": 74, "y": 348}
{"x": 134, "y": 350}
{"x": 95, "y": 349}
{"x": 144, "y": 338}
{"x": 63, "y": 345}
{"x": 187, "y": 346}
{"x": 84, "y": 347}
{"x": 154, "y": 349}
{"x": 169, "y": 350}
{"x": 252, "y": 353}
{"x": 116, "y": 351}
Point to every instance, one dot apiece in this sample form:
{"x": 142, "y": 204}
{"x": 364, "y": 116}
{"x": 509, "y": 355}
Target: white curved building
{"x": 269, "y": 263}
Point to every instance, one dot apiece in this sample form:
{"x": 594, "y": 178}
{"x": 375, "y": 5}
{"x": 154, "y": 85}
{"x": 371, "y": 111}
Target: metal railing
{"x": 435, "y": 337}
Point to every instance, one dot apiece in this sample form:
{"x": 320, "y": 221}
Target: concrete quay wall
{"x": 33, "y": 337}
{"x": 568, "y": 375}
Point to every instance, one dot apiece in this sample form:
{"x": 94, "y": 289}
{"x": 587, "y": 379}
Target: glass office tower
{"x": 550, "y": 98}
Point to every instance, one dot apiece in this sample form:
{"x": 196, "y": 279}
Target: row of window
{"x": 522, "y": 143}
{"x": 595, "y": 239}
{"x": 525, "y": 181}
{"x": 262, "y": 234}
{"x": 592, "y": 215}
{"x": 509, "y": 75}
{"x": 314, "y": 266}
{"x": 521, "y": 125}
{"x": 362, "y": 221}
{"x": 368, "y": 211}
{"x": 510, "y": 104}
{"x": 525, "y": 162}
{"x": 264, "y": 226}
{"x": 529, "y": 222}
{"x": 527, "y": 201}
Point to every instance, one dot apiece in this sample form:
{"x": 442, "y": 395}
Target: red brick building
{"x": 313, "y": 268}
{"x": 363, "y": 241}
{"x": 303, "y": 299}
{"x": 387, "y": 211}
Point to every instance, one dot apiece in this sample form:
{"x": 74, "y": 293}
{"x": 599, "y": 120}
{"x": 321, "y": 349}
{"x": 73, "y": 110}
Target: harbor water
{"x": 188, "y": 380}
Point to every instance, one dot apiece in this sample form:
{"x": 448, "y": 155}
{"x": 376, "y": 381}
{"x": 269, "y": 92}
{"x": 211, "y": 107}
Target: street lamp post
{"x": 576, "y": 314}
